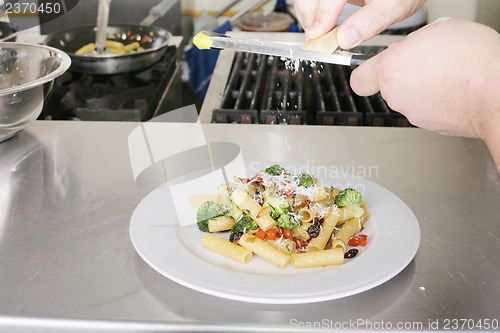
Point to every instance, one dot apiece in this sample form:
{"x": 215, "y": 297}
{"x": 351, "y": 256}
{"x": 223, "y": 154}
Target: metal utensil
{"x": 9, "y": 37}
{"x": 225, "y": 9}
{"x": 102, "y": 25}
{"x": 212, "y": 40}
{"x": 7, "y": 32}
{"x": 157, "y": 11}
{"x": 250, "y": 7}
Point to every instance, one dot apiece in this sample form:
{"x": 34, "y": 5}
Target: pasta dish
{"x": 283, "y": 218}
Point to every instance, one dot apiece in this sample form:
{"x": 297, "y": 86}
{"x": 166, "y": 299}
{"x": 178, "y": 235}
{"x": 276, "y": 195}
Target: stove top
{"x": 124, "y": 97}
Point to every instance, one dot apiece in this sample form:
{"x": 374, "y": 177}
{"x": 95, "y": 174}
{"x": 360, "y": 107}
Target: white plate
{"x": 176, "y": 252}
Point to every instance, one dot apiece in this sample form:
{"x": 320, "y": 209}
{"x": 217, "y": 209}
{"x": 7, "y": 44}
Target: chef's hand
{"x": 320, "y": 16}
{"x": 444, "y": 77}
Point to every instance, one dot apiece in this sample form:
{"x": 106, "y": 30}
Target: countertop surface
{"x": 68, "y": 191}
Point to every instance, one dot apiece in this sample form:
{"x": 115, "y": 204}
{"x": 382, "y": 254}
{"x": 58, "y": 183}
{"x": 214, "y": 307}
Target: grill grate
{"x": 267, "y": 90}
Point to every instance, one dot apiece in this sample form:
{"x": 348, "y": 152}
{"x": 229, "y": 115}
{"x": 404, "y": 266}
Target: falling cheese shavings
{"x": 294, "y": 64}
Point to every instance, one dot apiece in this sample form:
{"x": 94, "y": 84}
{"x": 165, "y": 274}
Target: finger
{"x": 326, "y": 15}
{"x": 305, "y": 11}
{"x": 365, "y": 79}
{"x": 371, "y": 20}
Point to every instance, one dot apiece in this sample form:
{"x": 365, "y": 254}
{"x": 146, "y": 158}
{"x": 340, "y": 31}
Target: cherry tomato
{"x": 271, "y": 234}
{"x": 287, "y": 233}
{"x": 300, "y": 244}
{"x": 261, "y": 234}
{"x": 353, "y": 241}
{"x": 358, "y": 240}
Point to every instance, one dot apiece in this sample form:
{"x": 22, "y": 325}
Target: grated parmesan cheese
{"x": 294, "y": 64}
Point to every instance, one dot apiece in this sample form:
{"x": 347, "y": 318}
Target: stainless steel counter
{"x": 67, "y": 263}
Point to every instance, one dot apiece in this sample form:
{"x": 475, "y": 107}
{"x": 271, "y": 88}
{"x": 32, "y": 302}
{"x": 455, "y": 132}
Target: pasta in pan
{"x": 283, "y": 218}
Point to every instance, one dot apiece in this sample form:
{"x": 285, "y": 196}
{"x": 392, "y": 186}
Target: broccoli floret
{"x": 351, "y": 198}
{"x": 304, "y": 179}
{"x": 234, "y": 211}
{"x": 279, "y": 205}
{"x": 244, "y": 224}
{"x": 288, "y": 221}
{"x": 207, "y": 211}
{"x": 275, "y": 170}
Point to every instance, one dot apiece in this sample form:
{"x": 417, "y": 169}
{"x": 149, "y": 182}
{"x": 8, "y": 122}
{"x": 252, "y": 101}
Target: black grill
{"x": 267, "y": 90}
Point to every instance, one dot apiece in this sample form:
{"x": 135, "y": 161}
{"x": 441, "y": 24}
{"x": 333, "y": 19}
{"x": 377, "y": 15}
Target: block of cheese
{"x": 324, "y": 44}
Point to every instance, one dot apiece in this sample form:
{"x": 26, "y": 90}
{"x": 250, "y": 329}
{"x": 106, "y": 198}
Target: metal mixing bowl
{"x": 27, "y": 73}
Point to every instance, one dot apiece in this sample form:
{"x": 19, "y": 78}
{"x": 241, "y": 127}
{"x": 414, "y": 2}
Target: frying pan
{"x": 154, "y": 40}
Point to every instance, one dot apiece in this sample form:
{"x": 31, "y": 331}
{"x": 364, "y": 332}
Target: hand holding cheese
{"x": 320, "y": 16}
{"x": 444, "y": 77}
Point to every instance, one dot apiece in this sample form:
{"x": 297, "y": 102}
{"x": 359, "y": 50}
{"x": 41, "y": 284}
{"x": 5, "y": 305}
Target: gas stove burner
{"x": 123, "y": 97}
{"x": 120, "y": 97}
{"x": 267, "y": 90}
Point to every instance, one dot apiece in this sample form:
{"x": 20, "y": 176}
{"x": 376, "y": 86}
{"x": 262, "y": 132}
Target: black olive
{"x": 320, "y": 221}
{"x": 234, "y": 237}
{"x": 313, "y": 230}
{"x": 351, "y": 253}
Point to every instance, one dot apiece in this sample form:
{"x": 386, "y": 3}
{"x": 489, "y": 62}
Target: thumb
{"x": 365, "y": 79}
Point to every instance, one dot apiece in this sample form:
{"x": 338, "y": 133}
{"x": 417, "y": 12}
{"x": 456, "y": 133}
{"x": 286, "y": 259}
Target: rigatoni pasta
{"x": 226, "y": 248}
{"x": 319, "y": 242}
{"x": 283, "y": 218}
{"x": 264, "y": 250}
{"x": 221, "y": 223}
{"x": 318, "y": 258}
